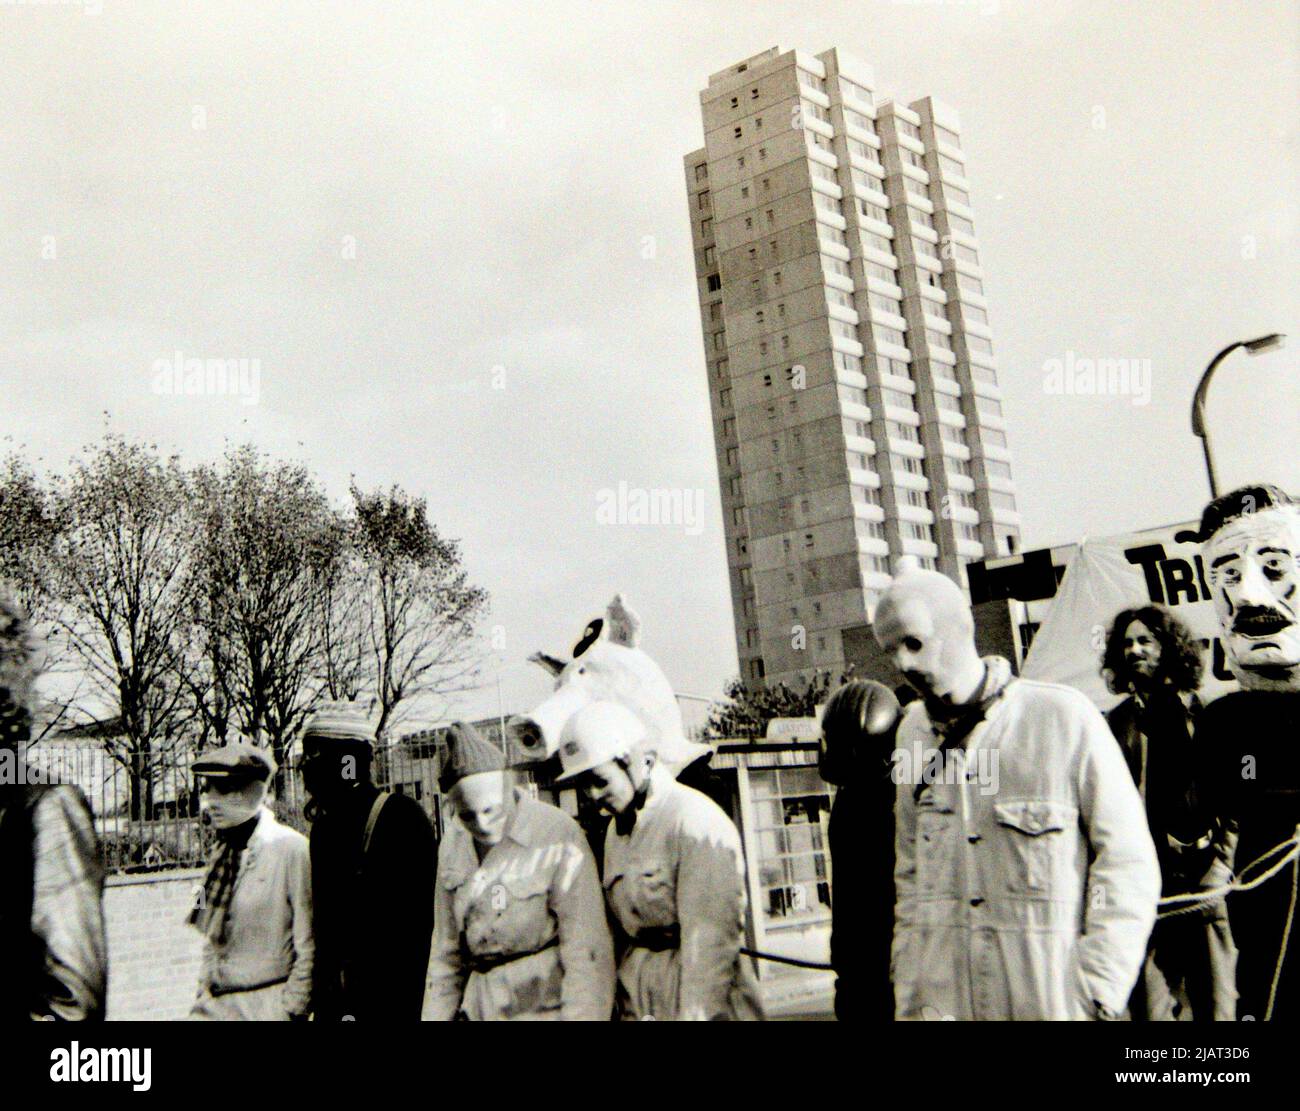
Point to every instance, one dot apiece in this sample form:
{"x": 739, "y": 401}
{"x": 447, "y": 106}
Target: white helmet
{"x": 596, "y": 734}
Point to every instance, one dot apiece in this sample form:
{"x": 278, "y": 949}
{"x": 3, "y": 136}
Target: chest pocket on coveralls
{"x": 1035, "y": 834}
{"x": 509, "y": 914}
{"x": 648, "y": 891}
{"x": 936, "y": 846}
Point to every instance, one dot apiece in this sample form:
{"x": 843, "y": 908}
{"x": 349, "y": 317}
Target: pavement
{"x": 813, "y": 1008}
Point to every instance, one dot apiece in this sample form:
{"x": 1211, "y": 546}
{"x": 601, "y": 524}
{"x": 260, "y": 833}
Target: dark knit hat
{"x": 467, "y": 754}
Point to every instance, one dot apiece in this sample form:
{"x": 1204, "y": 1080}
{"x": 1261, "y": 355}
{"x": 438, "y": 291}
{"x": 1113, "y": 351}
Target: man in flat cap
{"x": 519, "y": 918}
{"x": 373, "y": 860}
{"x": 254, "y": 909}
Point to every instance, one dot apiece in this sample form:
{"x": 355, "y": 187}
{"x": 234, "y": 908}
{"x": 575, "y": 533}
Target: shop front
{"x": 782, "y": 807}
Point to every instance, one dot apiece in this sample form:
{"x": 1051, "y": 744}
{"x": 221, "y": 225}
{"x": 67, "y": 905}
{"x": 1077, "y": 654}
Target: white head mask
{"x": 1253, "y": 566}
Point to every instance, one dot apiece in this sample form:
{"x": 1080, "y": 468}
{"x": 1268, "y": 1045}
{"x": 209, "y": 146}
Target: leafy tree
{"x": 747, "y": 711}
{"x": 27, "y": 531}
{"x": 27, "y": 528}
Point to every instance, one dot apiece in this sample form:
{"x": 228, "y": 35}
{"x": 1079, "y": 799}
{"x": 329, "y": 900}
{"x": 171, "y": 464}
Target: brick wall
{"x": 153, "y": 955}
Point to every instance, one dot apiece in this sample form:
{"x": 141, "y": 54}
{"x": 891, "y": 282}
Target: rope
{"x": 1286, "y": 936}
{"x": 1290, "y": 848}
{"x": 786, "y": 960}
{"x": 1195, "y": 900}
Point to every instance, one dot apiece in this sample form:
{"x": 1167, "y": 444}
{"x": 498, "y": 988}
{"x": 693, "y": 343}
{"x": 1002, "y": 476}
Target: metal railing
{"x": 146, "y": 805}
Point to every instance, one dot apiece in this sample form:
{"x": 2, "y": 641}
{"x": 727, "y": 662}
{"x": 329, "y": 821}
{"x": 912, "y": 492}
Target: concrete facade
{"x": 856, "y": 410}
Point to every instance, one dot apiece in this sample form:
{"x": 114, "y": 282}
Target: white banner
{"x": 1115, "y": 573}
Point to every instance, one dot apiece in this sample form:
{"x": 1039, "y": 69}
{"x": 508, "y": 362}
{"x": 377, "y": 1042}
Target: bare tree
{"x": 419, "y": 607}
{"x": 115, "y": 590}
{"x": 267, "y": 541}
{"x": 228, "y": 599}
{"x": 347, "y": 664}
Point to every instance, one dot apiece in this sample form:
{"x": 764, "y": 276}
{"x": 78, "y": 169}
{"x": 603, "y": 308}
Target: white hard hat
{"x": 596, "y": 734}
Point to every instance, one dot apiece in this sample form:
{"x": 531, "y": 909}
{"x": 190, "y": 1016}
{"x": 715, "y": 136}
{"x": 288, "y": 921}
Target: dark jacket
{"x": 1161, "y": 748}
{"x": 1251, "y": 749}
{"x": 861, "y": 834}
{"x": 372, "y": 912}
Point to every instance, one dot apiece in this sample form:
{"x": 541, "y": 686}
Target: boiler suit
{"x": 675, "y": 884}
{"x": 523, "y": 934}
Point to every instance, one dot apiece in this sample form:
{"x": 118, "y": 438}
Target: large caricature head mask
{"x": 1251, "y": 548}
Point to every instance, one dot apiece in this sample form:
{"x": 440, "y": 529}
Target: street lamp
{"x": 1253, "y": 347}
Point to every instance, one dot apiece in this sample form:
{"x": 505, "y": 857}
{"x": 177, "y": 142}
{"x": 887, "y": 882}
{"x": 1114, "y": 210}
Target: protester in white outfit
{"x": 673, "y": 876}
{"x": 1026, "y": 878}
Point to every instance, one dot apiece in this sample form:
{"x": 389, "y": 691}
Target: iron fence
{"x": 146, "y": 806}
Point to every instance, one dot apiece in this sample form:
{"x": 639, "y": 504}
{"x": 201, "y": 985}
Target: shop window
{"x": 791, "y": 809}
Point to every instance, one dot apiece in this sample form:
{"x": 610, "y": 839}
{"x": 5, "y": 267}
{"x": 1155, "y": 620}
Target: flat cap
{"x": 340, "y": 721}
{"x": 238, "y": 760}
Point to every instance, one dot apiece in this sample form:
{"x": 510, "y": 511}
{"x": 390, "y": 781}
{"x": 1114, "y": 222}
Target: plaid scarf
{"x": 953, "y": 725}
{"x": 213, "y": 909}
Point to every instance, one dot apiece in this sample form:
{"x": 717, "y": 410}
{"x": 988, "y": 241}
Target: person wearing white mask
{"x": 254, "y": 909}
{"x": 1026, "y": 880}
{"x": 673, "y": 876}
{"x": 519, "y": 923}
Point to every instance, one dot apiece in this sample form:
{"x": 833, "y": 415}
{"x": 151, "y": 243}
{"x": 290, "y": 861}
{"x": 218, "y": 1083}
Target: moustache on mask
{"x": 1255, "y": 621}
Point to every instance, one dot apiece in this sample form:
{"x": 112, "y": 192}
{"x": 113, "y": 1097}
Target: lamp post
{"x": 1269, "y": 342}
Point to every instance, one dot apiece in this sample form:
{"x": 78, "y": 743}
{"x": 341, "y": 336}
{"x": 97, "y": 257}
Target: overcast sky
{"x": 400, "y": 208}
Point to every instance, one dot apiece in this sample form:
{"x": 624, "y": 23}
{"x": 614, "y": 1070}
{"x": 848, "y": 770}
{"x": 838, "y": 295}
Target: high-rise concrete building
{"x": 856, "y": 410}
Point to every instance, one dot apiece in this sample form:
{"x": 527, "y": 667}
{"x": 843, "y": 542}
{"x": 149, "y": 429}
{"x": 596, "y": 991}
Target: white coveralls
{"x": 675, "y": 884}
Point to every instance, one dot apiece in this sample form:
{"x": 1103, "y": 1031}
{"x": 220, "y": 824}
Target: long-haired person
{"x": 1152, "y": 659}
